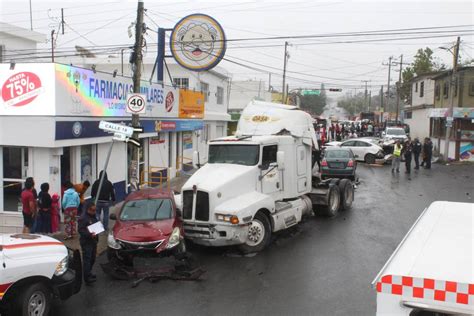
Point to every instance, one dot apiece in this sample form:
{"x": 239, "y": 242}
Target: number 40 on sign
{"x": 136, "y": 103}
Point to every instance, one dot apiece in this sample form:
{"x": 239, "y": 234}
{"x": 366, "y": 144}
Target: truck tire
{"x": 347, "y": 194}
{"x": 334, "y": 202}
{"x": 370, "y": 159}
{"x": 259, "y": 235}
{"x": 34, "y": 299}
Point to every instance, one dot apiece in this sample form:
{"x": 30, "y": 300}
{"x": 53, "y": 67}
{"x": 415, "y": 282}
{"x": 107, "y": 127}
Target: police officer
{"x": 88, "y": 241}
{"x": 417, "y": 146}
{"x": 407, "y": 153}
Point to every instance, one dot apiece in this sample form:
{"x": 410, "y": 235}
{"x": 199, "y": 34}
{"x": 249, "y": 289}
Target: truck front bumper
{"x": 215, "y": 234}
{"x": 65, "y": 285}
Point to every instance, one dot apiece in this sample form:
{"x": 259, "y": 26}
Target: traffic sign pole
{"x": 106, "y": 164}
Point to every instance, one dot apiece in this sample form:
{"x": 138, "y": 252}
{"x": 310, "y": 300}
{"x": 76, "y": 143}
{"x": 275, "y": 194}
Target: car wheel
{"x": 334, "y": 202}
{"x": 369, "y": 158}
{"x": 259, "y": 234}
{"x": 35, "y": 299}
{"x": 347, "y": 194}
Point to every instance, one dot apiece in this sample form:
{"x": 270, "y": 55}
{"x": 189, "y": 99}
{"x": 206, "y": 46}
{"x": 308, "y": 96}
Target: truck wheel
{"x": 347, "y": 194}
{"x": 334, "y": 202}
{"x": 369, "y": 158}
{"x": 259, "y": 234}
{"x": 35, "y": 299}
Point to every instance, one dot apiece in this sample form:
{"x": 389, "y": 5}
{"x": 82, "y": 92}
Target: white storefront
{"x": 49, "y": 117}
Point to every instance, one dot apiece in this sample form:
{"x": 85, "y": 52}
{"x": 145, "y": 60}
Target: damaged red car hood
{"x": 140, "y": 231}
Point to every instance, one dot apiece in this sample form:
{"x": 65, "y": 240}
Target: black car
{"x": 338, "y": 162}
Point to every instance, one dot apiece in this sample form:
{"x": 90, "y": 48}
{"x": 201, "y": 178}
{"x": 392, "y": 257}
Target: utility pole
{"x": 388, "y": 82}
{"x": 137, "y": 61}
{"x": 451, "y": 107}
{"x": 370, "y": 101}
{"x": 62, "y": 21}
{"x": 365, "y": 93}
{"x": 399, "y": 87}
{"x": 52, "y": 46}
{"x": 284, "y": 73}
{"x": 269, "y": 82}
{"x": 31, "y": 17}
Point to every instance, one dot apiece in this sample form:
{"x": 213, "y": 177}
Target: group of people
{"x": 412, "y": 149}
{"x": 341, "y": 131}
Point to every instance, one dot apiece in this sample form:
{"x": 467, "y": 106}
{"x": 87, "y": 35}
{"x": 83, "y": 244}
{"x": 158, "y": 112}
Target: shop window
{"x": 437, "y": 91}
{"x": 15, "y": 166}
{"x": 220, "y": 95}
{"x": 438, "y": 127}
{"x": 182, "y": 83}
{"x": 408, "y": 115}
{"x": 422, "y": 89}
{"x": 205, "y": 91}
{"x": 471, "y": 87}
{"x": 445, "y": 89}
{"x": 416, "y": 87}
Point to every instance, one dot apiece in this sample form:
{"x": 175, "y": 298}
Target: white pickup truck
{"x": 431, "y": 273}
{"x": 35, "y": 269}
{"x": 259, "y": 181}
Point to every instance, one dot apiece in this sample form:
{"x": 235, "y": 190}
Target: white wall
{"x": 158, "y": 153}
{"x": 117, "y": 168}
{"x": 451, "y": 149}
{"x": 419, "y": 123}
{"x": 428, "y": 95}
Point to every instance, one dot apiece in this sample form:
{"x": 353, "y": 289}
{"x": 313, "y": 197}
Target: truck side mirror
{"x": 113, "y": 216}
{"x": 196, "y": 162}
{"x": 281, "y": 160}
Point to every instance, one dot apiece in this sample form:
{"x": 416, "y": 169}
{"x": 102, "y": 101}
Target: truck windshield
{"x": 147, "y": 210}
{"x": 395, "y": 131}
{"x": 246, "y": 155}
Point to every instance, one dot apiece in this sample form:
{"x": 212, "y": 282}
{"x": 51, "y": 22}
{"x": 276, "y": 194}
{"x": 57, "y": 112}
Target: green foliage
{"x": 314, "y": 103}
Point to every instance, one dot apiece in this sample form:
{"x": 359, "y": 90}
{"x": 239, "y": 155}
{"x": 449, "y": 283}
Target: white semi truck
{"x": 259, "y": 181}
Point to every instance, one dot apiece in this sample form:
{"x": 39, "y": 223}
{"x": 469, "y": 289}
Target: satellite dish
{"x": 84, "y": 52}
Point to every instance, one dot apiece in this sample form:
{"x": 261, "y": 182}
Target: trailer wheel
{"x": 334, "y": 202}
{"x": 35, "y": 299}
{"x": 259, "y": 234}
{"x": 347, "y": 194}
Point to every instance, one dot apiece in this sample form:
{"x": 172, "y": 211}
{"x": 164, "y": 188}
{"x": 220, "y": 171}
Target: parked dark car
{"x": 338, "y": 162}
{"x": 147, "y": 224}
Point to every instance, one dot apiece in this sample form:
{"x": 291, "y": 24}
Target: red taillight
{"x": 350, "y": 163}
{"x": 324, "y": 163}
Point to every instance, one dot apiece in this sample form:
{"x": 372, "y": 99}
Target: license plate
{"x": 337, "y": 165}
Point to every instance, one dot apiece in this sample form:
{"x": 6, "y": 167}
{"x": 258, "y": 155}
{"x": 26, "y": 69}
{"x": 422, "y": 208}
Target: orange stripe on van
{"x": 33, "y": 244}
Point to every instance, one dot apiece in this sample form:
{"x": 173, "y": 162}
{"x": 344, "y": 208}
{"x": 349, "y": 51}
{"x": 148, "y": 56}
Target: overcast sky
{"x": 311, "y": 62}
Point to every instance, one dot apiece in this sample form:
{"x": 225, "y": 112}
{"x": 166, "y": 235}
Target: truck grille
{"x": 187, "y": 204}
{"x": 202, "y": 206}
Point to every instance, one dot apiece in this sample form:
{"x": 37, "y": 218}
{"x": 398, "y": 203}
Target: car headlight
{"x": 227, "y": 218}
{"x": 174, "y": 239}
{"x": 112, "y": 242}
{"x": 61, "y": 267}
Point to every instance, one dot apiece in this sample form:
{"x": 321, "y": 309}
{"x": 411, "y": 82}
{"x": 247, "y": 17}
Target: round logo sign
{"x": 21, "y": 88}
{"x": 77, "y": 129}
{"x": 169, "y": 101}
{"x": 198, "y": 42}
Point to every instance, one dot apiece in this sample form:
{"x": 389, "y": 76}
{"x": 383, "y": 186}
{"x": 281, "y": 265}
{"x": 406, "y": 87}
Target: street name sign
{"x": 136, "y": 103}
{"x": 116, "y": 128}
{"x": 311, "y": 92}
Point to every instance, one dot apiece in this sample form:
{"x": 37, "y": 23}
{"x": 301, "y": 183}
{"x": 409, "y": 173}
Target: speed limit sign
{"x": 136, "y": 103}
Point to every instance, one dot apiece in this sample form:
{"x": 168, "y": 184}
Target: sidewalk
{"x": 175, "y": 183}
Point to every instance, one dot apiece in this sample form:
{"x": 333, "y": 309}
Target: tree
{"x": 314, "y": 103}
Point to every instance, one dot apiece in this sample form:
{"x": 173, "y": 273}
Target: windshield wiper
{"x": 158, "y": 209}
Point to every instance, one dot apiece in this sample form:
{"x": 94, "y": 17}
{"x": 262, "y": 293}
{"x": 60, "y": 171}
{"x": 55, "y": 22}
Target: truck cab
{"x": 254, "y": 183}
{"x": 431, "y": 272}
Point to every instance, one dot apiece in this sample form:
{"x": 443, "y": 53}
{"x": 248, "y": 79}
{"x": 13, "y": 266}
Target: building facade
{"x": 458, "y": 91}
{"x": 417, "y": 113}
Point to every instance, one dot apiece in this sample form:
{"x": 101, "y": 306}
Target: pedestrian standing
{"x": 81, "y": 189}
{"x": 428, "y": 152}
{"x": 28, "y": 201}
{"x": 333, "y": 131}
{"x": 106, "y": 197}
{"x": 397, "y": 151}
{"x": 416, "y": 152}
{"x": 88, "y": 241}
{"x": 407, "y": 153}
{"x": 70, "y": 204}
{"x": 44, "y": 210}
{"x": 55, "y": 213}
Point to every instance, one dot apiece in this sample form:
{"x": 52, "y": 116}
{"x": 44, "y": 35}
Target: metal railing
{"x": 155, "y": 177}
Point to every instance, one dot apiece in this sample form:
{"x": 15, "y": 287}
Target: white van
{"x": 432, "y": 270}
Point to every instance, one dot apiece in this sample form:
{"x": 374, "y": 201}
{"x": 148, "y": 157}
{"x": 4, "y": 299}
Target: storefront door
{"x": 14, "y": 164}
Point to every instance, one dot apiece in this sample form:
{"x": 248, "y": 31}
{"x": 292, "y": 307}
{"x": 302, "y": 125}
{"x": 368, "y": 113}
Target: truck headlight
{"x": 227, "y": 218}
{"x": 112, "y": 242}
{"x": 61, "y": 267}
{"x": 174, "y": 239}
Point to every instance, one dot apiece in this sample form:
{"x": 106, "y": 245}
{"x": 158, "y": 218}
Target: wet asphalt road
{"x": 321, "y": 267}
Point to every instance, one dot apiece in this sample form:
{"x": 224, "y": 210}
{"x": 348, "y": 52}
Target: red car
{"x": 148, "y": 224}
